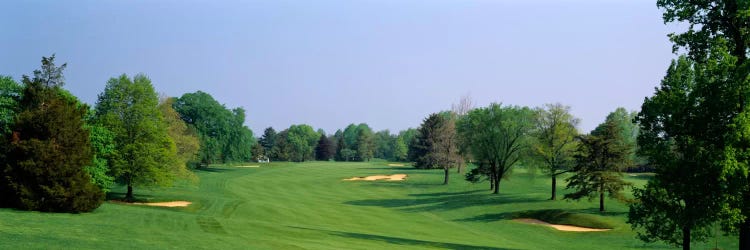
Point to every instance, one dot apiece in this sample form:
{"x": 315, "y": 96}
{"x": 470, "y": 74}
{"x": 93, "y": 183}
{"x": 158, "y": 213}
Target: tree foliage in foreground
{"x": 680, "y": 203}
{"x": 717, "y": 39}
{"x": 498, "y": 136}
{"x": 44, "y": 157}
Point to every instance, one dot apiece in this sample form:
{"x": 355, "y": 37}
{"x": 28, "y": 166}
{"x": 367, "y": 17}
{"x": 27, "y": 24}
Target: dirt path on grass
{"x": 395, "y": 165}
{"x": 568, "y": 228}
{"x": 393, "y": 177}
{"x": 253, "y": 166}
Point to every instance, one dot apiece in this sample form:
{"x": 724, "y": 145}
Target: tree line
{"x": 357, "y": 142}
{"x": 60, "y": 155}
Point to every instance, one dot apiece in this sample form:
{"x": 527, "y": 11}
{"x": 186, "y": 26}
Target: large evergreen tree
{"x": 437, "y": 143}
{"x": 325, "y": 149}
{"x": 45, "y": 156}
{"x": 599, "y": 159}
{"x": 145, "y": 154}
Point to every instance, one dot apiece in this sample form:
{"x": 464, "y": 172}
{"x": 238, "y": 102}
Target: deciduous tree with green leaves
{"x": 554, "y": 143}
{"x": 680, "y": 203}
{"x": 145, "y": 153}
{"x": 498, "y": 136}
{"x": 10, "y": 93}
{"x": 717, "y": 39}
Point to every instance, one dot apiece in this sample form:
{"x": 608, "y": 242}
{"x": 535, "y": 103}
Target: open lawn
{"x": 310, "y": 206}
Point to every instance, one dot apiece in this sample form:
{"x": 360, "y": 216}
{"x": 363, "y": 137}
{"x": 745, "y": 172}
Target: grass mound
{"x": 561, "y": 217}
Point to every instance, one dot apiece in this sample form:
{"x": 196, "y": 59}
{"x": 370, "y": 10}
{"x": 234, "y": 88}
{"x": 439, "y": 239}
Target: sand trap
{"x": 395, "y": 165}
{"x": 158, "y": 204}
{"x": 253, "y": 166}
{"x": 394, "y": 177}
{"x": 568, "y": 228}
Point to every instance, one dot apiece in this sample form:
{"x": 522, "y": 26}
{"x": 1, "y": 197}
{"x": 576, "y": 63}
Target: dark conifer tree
{"x": 45, "y": 156}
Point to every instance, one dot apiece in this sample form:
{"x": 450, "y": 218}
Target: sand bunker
{"x": 253, "y": 166}
{"x": 158, "y": 204}
{"x": 395, "y": 165}
{"x": 568, "y": 228}
{"x": 394, "y": 177}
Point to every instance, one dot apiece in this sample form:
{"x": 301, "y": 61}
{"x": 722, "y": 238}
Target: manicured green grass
{"x": 308, "y": 206}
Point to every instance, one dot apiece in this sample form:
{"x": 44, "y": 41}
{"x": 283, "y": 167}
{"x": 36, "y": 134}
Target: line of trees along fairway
{"x": 223, "y": 136}
{"x": 704, "y": 128}
{"x": 498, "y": 136}
{"x": 555, "y": 141}
{"x": 144, "y": 152}
{"x": 43, "y": 159}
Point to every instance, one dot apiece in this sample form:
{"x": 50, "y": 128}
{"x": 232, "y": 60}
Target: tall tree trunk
{"x": 497, "y": 186}
{"x": 745, "y": 235}
{"x": 498, "y": 175}
{"x": 129, "y": 195}
{"x": 492, "y": 181}
{"x": 686, "y": 238}
{"x": 601, "y": 197}
{"x": 445, "y": 182}
{"x": 554, "y": 187}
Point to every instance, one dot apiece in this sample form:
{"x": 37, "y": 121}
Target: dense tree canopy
{"x": 43, "y": 166}
{"x": 145, "y": 154}
{"x": 222, "y": 133}
{"x": 302, "y": 140}
{"x": 185, "y": 137}
{"x": 599, "y": 161}
{"x": 672, "y": 207}
{"x": 555, "y": 144}
{"x": 10, "y": 92}
{"x": 718, "y": 41}
{"x": 498, "y": 137}
{"x": 325, "y": 149}
{"x": 356, "y": 143}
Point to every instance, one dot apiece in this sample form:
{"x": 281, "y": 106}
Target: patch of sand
{"x": 394, "y": 177}
{"x": 568, "y": 228}
{"x": 253, "y": 166}
{"x": 395, "y": 165}
{"x": 157, "y": 204}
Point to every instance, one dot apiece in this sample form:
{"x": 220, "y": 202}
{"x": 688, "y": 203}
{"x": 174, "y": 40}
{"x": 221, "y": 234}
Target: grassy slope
{"x": 307, "y": 205}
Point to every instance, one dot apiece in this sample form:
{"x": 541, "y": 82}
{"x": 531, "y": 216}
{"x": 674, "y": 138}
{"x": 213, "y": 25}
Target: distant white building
{"x": 263, "y": 159}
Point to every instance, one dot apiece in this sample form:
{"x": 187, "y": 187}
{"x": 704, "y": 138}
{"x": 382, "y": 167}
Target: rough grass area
{"x": 307, "y": 206}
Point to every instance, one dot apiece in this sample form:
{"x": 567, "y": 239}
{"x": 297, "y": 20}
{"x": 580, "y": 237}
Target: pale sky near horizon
{"x": 331, "y": 63}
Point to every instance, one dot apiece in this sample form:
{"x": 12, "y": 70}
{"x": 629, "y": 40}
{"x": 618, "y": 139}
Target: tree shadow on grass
{"x": 399, "y": 241}
{"x": 444, "y": 202}
{"x": 447, "y": 193}
{"x": 213, "y": 169}
{"x": 121, "y": 196}
{"x": 492, "y": 217}
{"x": 393, "y": 168}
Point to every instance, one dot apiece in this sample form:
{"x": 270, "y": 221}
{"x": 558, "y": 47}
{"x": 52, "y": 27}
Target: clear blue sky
{"x": 387, "y": 63}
